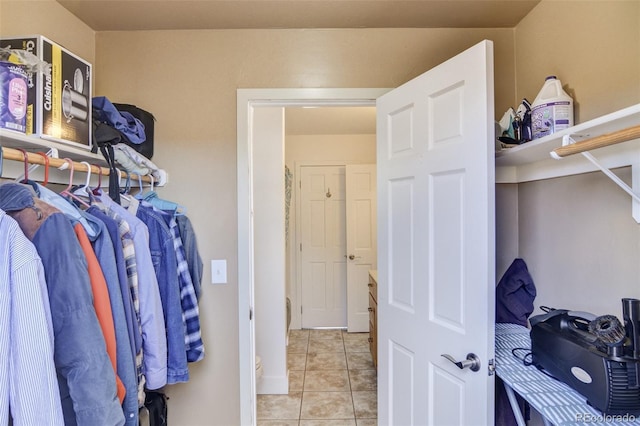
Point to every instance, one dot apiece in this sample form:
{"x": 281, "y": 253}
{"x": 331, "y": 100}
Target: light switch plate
{"x": 218, "y": 271}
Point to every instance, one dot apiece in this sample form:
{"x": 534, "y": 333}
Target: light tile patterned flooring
{"x": 332, "y": 382}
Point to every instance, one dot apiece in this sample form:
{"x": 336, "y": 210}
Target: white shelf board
{"x": 30, "y": 143}
{"x": 532, "y": 160}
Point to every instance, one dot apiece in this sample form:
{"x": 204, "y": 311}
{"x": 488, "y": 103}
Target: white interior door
{"x": 436, "y": 243}
{"x": 361, "y": 242}
{"x": 323, "y": 246}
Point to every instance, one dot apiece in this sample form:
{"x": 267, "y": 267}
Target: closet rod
{"x": 597, "y": 142}
{"x": 32, "y": 158}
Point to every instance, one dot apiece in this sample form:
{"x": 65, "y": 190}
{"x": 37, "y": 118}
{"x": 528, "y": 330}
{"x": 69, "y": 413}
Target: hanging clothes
{"x": 85, "y": 377}
{"x": 107, "y": 298}
{"x": 188, "y": 299}
{"x": 118, "y": 240}
{"x": 101, "y": 302}
{"x": 28, "y": 381}
{"x": 161, "y": 244}
{"x": 154, "y": 341}
{"x": 124, "y": 241}
{"x": 72, "y": 212}
{"x": 190, "y": 243}
{"x": 125, "y": 358}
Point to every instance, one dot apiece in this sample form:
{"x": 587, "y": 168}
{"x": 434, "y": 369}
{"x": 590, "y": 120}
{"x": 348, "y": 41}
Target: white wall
{"x": 269, "y": 248}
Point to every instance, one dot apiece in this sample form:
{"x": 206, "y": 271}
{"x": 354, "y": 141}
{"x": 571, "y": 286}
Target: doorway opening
{"x": 248, "y": 101}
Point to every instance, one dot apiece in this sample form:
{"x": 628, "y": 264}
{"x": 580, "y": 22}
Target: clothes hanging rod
{"x": 597, "y": 142}
{"x": 32, "y": 158}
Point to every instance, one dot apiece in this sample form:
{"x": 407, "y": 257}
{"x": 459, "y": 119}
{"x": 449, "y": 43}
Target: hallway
{"x": 332, "y": 382}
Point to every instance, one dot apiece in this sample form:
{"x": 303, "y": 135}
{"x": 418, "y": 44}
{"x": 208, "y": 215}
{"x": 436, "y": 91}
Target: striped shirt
{"x": 28, "y": 382}
{"x": 188, "y": 299}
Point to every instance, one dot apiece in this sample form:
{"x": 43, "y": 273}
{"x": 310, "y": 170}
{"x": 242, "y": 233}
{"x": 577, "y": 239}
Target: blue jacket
{"x": 103, "y": 248}
{"x": 165, "y": 264}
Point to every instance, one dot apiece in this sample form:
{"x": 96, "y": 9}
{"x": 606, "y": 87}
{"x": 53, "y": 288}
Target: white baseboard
{"x": 273, "y": 385}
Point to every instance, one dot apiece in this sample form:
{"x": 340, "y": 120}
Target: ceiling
{"x": 132, "y": 15}
{"x": 136, "y": 15}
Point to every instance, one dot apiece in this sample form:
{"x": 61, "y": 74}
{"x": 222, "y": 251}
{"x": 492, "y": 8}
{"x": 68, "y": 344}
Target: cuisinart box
{"x": 59, "y": 99}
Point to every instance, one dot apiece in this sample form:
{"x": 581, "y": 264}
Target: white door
{"x": 436, "y": 244}
{"x": 323, "y": 247}
{"x": 361, "y": 242}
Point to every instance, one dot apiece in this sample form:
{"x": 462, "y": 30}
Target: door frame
{"x": 247, "y": 100}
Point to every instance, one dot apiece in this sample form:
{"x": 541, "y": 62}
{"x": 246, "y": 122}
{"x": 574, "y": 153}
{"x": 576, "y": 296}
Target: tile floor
{"x": 332, "y": 382}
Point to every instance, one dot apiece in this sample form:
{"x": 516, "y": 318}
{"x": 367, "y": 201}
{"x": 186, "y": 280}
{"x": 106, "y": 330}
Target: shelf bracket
{"x": 635, "y": 176}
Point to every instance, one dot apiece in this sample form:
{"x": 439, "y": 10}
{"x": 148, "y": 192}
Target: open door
{"x": 361, "y": 242}
{"x": 436, "y": 267}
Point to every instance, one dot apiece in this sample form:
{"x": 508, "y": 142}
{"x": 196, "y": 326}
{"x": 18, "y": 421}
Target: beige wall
{"x": 48, "y": 18}
{"x": 576, "y": 233}
{"x": 350, "y": 149}
{"x": 188, "y": 79}
{"x": 593, "y": 47}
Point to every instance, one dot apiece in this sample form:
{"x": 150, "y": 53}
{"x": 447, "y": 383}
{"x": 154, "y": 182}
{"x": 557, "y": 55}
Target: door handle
{"x": 472, "y": 362}
{"x": 351, "y": 257}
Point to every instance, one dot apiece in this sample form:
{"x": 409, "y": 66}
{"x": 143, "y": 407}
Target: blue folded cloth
{"x": 125, "y": 122}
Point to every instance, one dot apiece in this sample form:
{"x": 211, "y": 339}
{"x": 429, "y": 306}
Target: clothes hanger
{"x": 141, "y": 189}
{"x": 88, "y": 181}
{"x": 168, "y": 206}
{"x": 26, "y": 180}
{"x": 67, "y": 191}
{"x": 98, "y": 189}
{"x": 127, "y": 184}
{"x": 46, "y": 167}
{"x": 85, "y": 191}
{"x": 125, "y": 199}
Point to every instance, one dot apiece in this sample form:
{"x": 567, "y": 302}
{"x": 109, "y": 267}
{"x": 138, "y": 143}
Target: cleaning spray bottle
{"x": 552, "y": 110}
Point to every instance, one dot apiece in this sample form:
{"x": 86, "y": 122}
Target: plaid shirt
{"x": 188, "y": 299}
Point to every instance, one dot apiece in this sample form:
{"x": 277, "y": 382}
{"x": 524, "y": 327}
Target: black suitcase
{"x": 146, "y": 147}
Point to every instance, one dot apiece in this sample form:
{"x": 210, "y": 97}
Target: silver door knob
{"x": 472, "y": 362}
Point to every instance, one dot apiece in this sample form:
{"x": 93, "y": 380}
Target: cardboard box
{"x": 59, "y": 99}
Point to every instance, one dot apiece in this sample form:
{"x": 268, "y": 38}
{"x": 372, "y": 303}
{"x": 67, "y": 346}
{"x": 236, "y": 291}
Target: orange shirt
{"x": 101, "y": 302}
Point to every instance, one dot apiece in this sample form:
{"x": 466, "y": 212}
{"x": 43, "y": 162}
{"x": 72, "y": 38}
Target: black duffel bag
{"x": 145, "y": 148}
